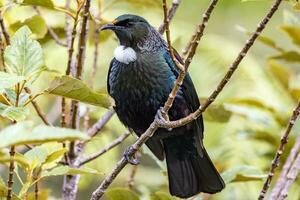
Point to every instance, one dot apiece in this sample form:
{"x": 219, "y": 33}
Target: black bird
{"x": 140, "y": 78}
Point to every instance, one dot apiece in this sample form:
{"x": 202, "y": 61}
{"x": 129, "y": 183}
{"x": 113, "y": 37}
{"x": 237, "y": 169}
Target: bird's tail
{"x": 189, "y": 176}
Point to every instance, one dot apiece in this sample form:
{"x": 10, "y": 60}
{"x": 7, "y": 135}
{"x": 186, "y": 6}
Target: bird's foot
{"x": 162, "y": 118}
{"x": 129, "y": 155}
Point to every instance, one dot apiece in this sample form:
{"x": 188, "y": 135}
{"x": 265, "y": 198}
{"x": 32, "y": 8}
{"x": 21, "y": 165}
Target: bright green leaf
{"x": 161, "y": 196}
{"x": 217, "y": 113}
{"x": 281, "y": 72}
{"x": 24, "y": 56}
{"x": 121, "y": 194}
{"x": 9, "y": 80}
{"x": 18, "y": 158}
{"x": 13, "y": 113}
{"x": 293, "y": 32}
{"x": 25, "y": 133}
{"x": 242, "y": 174}
{"x": 66, "y": 170}
{"x": 54, "y": 157}
{"x": 288, "y": 56}
{"x": 69, "y": 87}
{"x": 43, "y": 3}
{"x": 36, "y": 24}
{"x": 36, "y": 156}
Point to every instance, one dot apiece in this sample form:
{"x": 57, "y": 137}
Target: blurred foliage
{"x": 243, "y": 126}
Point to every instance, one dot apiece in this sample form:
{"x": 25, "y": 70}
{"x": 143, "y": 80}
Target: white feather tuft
{"x": 125, "y": 54}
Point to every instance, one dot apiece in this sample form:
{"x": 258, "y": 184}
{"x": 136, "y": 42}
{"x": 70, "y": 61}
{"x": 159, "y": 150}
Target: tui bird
{"x": 140, "y": 78}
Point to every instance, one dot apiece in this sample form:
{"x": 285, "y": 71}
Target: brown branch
{"x": 4, "y": 30}
{"x": 130, "y": 182}
{"x": 37, "y": 108}
{"x": 283, "y": 175}
{"x": 10, "y": 181}
{"x": 2, "y": 53}
{"x": 97, "y": 127}
{"x": 51, "y": 31}
{"x": 98, "y": 193}
{"x": 171, "y": 14}
{"x": 70, "y": 186}
{"x": 291, "y": 178}
{"x": 279, "y": 152}
{"x": 113, "y": 144}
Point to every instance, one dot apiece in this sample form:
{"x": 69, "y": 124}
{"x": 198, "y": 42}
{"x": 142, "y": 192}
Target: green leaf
{"x": 54, "y": 157}
{"x": 36, "y": 24}
{"x": 24, "y": 56}
{"x": 281, "y": 72}
{"x": 161, "y": 196}
{"x": 18, "y": 158}
{"x": 25, "y": 133}
{"x": 288, "y": 56}
{"x": 217, "y": 113}
{"x": 43, "y": 3}
{"x": 293, "y": 32}
{"x": 13, "y": 113}
{"x": 269, "y": 42}
{"x": 43, "y": 195}
{"x": 121, "y": 194}
{"x": 66, "y": 170}
{"x": 36, "y": 156}
{"x": 242, "y": 174}
{"x": 9, "y": 80}
{"x": 69, "y": 87}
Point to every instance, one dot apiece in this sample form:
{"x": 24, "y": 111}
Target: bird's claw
{"x": 161, "y": 120}
{"x": 130, "y": 157}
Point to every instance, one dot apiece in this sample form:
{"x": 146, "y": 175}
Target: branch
{"x": 291, "y": 178}
{"x": 100, "y": 123}
{"x": 279, "y": 152}
{"x": 283, "y": 175}
{"x": 171, "y": 13}
{"x": 51, "y": 31}
{"x": 4, "y": 30}
{"x": 2, "y": 54}
{"x": 113, "y": 144}
{"x": 37, "y": 108}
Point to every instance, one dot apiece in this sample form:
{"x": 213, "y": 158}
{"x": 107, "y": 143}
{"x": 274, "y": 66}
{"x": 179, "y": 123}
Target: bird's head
{"x": 130, "y": 29}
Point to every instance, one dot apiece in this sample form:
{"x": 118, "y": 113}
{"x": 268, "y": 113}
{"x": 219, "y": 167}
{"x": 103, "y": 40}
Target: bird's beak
{"x": 110, "y": 26}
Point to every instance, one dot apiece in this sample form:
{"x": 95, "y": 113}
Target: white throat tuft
{"x": 125, "y": 54}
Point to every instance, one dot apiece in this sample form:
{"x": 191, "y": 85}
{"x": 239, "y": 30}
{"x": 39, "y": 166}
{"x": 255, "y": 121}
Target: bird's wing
{"x": 109, "y": 70}
{"x": 190, "y": 96}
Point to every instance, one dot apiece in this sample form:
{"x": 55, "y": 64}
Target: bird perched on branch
{"x": 140, "y": 78}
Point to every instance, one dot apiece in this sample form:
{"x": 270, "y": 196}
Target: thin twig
{"x": 2, "y": 54}
{"x": 291, "y": 178}
{"x": 10, "y": 181}
{"x": 97, "y": 127}
{"x": 279, "y": 151}
{"x": 171, "y": 14}
{"x": 113, "y": 144}
{"x": 287, "y": 165}
{"x": 51, "y": 31}
{"x": 130, "y": 182}
{"x": 37, "y": 108}
{"x": 98, "y": 193}
{"x": 4, "y": 30}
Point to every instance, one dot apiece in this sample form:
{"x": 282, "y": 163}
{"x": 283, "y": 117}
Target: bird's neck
{"x": 153, "y": 42}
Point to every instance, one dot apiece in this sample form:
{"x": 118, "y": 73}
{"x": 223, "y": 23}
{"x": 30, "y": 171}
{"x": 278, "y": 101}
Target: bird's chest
{"x": 139, "y": 89}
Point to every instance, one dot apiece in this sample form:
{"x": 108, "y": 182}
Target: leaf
{"x": 161, "y": 196}
{"x": 9, "y": 80}
{"x": 3, "y": 191}
{"x": 288, "y": 56}
{"x": 217, "y": 113}
{"x": 54, "y": 156}
{"x": 25, "y": 133}
{"x": 36, "y": 156}
{"x": 43, "y": 195}
{"x": 293, "y": 32}
{"x": 242, "y": 174}
{"x": 269, "y": 42}
{"x": 4, "y": 100}
{"x": 121, "y": 194}
{"x": 36, "y": 24}
{"x": 66, "y": 170}
{"x": 43, "y": 3}
{"x": 282, "y": 73}
{"x": 24, "y": 56}
{"x": 13, "y": 113}
{"x": 69, "y": 87}
{"x": 18, "y": 158}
